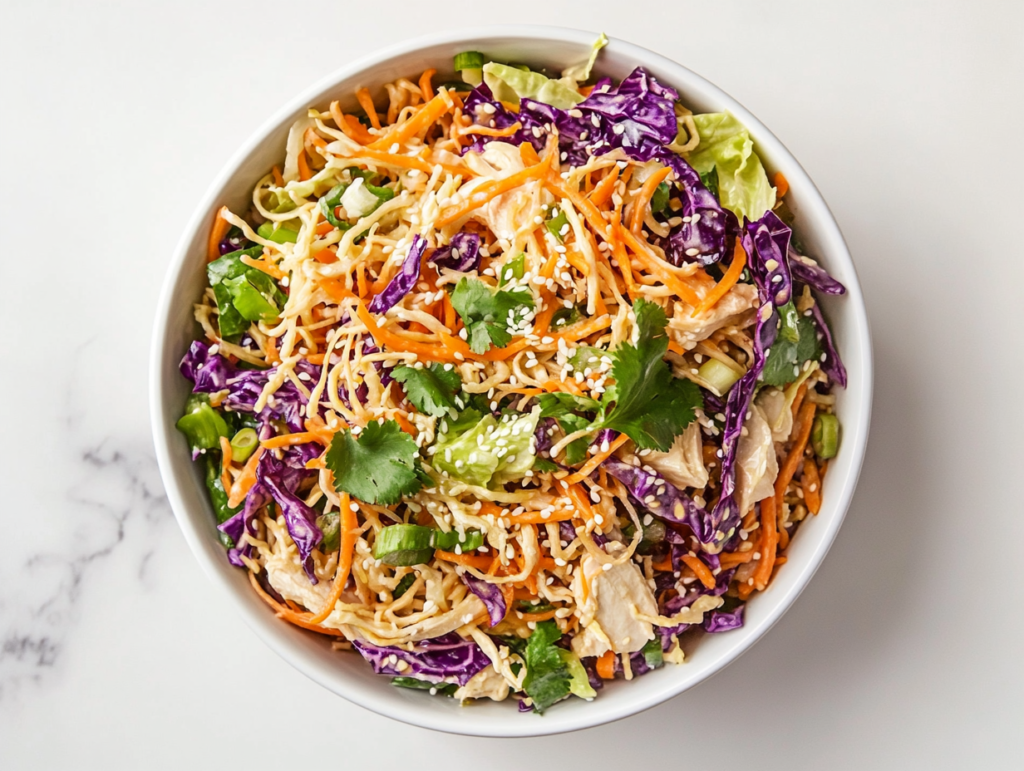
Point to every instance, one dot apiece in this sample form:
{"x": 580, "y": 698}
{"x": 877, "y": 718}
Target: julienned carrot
{"x": 410, "y": 162}
{"x": 796, "y": 454}
{"x": 488, "y": 191}
{"x": 526, "y": 517}
{"x": 335, "y": 289}
{"x": 478, "y": 561}
{"x": 287, "y": 614}
{"x": 700, "y": 570}
{"x": 562, "y": 386}
{"x": 325, "y": 256}
{"x": 449, "y": 351}
{"x": 220, "y": 229}
{"x": 290, "y": 440}
{"x": 588, "y": 468}
{"x": 653, "y": 265}
{"x": 606, "y": 666}
{"x": 732, "y": 559}
{"x": 811, "y": 484}
{"x": 366, "y": 102}
{"x": 643, "y": 199}
{"x": 314, "y": 139}
{"x": 619, "y": 253}
{"x": 262, "y": 265}
{"x": 487, "y": 131}
{"x": 425, "y": 117}
{"x": 536, "y": 616}
{"x": 781, "y": 184}
{"x": 244, "y": 482}
{"x": 426, "y": 89}
{"x": 405, "y": 425}
{"x": 304, "y": 171}
{"x": 350, "y": 126}
{"x": 769, "y": 543}
{"x": 225, "y": 463}
{"x": 349, "y": 531}
{"x": 278, "y": 178}
{"x": 732, "y": 275}
{"x": 601, "y": 195}
{"x": 581, "y": 501}
{"x": 584, "y": 206}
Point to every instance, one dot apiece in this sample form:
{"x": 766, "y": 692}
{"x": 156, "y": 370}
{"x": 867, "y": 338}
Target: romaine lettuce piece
{"x": 489, "y": 452}
{"x": 726, "y": 146}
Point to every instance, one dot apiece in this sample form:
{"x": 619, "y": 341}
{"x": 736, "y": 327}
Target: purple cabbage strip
{"x": 637, "y": 116}
{"x": 490, "y": 595}
{"x": 406, "y": 279}
{"x": 461, "y": 254}
{"x": 233, "y": 244}
{"x": 767, "y": 245}
{"x": 444, "y": 659}
{"x": 815, "y": 276}
{"x": 670, "y": 503}
{"x": 723, "y": 621}
{"x": 831, "y": 365}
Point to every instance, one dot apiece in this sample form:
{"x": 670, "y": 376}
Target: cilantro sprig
{"x": 485, "y": 312}
{"x": 547, "y": 676}
{"x": 380, "y": 466}
{"x": 647, "y": 403}
{"x": 433, "y": 390}
{"x": 796, "y": 343}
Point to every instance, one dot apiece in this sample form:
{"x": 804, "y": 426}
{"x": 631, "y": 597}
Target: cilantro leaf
{"x": 434, "y": 390}
{"x": 380, "y": 466}
{"x": 547, "y": 676}
{"x": 485, "y": 312}
{"x": 576, "y": 450}
{"x": 544, "y": 466}
{"x": 648, "y": 403}
{"x": 555, "y": 405}
{"x": 796, "y": 343}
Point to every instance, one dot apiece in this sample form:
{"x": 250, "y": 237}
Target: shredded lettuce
{"x": 489, "y": 451}
{"x": 509, "y": 84}
{"x": 726, "y": 146}
{"x": 580, "y": 72}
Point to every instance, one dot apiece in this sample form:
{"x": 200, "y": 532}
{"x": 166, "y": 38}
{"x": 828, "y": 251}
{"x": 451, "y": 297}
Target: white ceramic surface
{"x": 349, "y": 676}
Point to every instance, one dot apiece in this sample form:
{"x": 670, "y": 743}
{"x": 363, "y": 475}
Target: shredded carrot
{"x": 619, "y": 253}
{"x": 584, "y": 206}
{"x": 781, "y": 184}
{"x": 700, "y": 570}
{"x": 325, "y": 256}
{"x": 653, "y": 265}
{"x": 311, "y": 138}
{"x": 425, "y": 86}
{"x": 562, "y": 386}
{"x": 732, "y": 559}
{"x": 289, "y": 615}
{"x": 796, "y": 454}
{"x": 220, "y": 229}
{"x": 278, "y": 178}
{"x": 581, "y": 501}
{"x": 304, "y": 170}
{"x": 427, "y": 115}
{"x": 225, "y": 463}
{"x": 606, "y": 666}
{"x": 528, "y": 154}
{"x": 445, "y": 353}
{"x": 262, "y": 265}
{"x": 324, "y": 228}
{"x": 798, "y": 401}
{"x": 811, "y": 484}
{"x": 732, "y": 275}
{"x": 478, "y": 561}
{"x": 290, "y": 440}
{"x": 769, "y": 542}
{"x": 244, "y": 482}
{"x": 665, "y": 565}
{"x": 334, "y": 288}
{"x": 405, "y": 425}
{"x": 366, "y": 102}
{"x": 361, "y": 285}
{"x": 643, "y": 199}
{"x": 588, "y": 468}
{"x": 601, "y": 195}
{"x": 349, "y": 531}
{"x": 412, "y": 162}
{"x": 488, "y": 191}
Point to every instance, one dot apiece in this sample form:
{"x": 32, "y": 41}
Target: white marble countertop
{"x": 905, "y": 650}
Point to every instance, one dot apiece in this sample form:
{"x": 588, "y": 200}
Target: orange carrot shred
{"x": 220, "y": 229}
{"x": 781, "y": 184}
{"x": 606, "y": 666}
{"x": 588, "y": 468}
{"x": 643, "y": 199}
{"x": 811, "y": 484}
{"x": 700, "y": 570}
{"x": 425, "y": 86}
{"x": 366, "y": 102}
{"x": 732, "y": 275}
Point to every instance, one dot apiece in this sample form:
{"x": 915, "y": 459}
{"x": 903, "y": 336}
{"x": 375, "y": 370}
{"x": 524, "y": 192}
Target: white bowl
{"x": 348, "y": 675}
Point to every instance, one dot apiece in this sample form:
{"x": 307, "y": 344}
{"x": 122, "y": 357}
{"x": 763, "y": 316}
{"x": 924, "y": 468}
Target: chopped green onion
{"x": 279, "y": 233}
{"x": 444, "y": 689}
{"x": 660, "y": 198}
{"x": 243, "y": 444}
{"x": 471, "y": 541}
{"x": 330, "y": 526}
{"x": 403, "y": 585}
{"x": 563, "y": 317}
{"x": 557, "y": 222}
{"x": 719, "y": 376}
{"x": 469, "y": 60}
{"x": 330, "y": 201}
{"x": 201, "y": 424}
{"x": 825, "y": 436}
{"x": 404, "y": 545}
{"x": 457, "y": 85}
{"x": 219, "y": 499}
{"x": 513, "y": 269}
{"x": 653, "y": 654}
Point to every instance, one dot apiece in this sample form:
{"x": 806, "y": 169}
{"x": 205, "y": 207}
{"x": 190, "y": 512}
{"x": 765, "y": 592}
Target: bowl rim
{"x": 271, "y": 630}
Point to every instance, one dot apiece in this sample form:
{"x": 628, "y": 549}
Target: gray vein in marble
{"x": 117, "y": 500}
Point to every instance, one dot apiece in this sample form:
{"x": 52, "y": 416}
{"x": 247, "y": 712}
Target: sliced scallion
{"x": 719, "y": 376}
{"x": 243, "y": 444}
{"x": 825, "y": 436}
{"x": 404, "y": 545}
